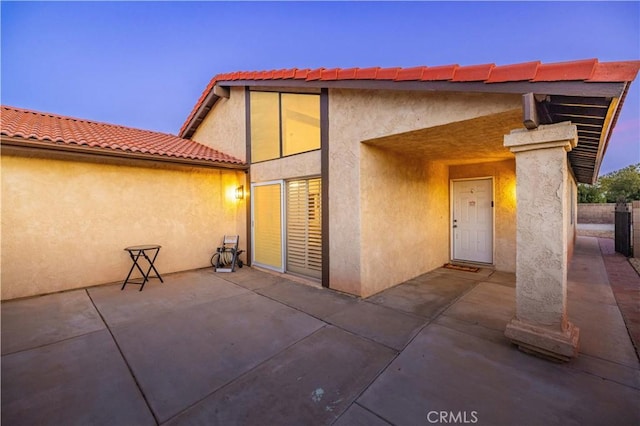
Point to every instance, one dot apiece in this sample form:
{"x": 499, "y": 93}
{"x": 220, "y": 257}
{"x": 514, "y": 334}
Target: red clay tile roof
{"x": 104, "y": 138}
{"x": 588, "y": 71}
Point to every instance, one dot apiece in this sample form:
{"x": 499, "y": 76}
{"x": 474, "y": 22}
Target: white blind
{"x": 267, "y": 232}
{"x": 304, "y": 227}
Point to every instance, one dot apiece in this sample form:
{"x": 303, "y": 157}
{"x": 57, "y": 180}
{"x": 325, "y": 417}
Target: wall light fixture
{"x": 240, "y": 192}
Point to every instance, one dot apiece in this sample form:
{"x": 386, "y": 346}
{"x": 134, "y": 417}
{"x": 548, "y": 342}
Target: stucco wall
{"x": 504, "y": 182}
{"x": 224, "y": 128}
{"x": 356, "y": 116}
{"x": 405, "y": 219}
{"x": 571, "y": 213}
{"x": 65, "y": 223}
{"x": 294, "y": 166}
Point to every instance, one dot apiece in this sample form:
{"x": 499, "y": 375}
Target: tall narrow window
{"x": 300, "y": 123}
{"x": 265, "y": 126}
{"x": 267, "y": 225}
{"x": 304, "y": 227}
{"x": 283, "y": 124}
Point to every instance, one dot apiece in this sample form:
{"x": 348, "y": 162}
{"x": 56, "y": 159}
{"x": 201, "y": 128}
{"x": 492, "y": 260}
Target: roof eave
{"x": 612, "y": 118}
{"x": 568, "y": 88}
{"x": 200, "y": 114}
{"x": 19, "y": 145}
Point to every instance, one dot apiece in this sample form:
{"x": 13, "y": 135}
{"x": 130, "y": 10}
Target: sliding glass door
{"x": 304, "y": 227}
{"x": 287, "y": 226}
{"x": 266, "y": 219}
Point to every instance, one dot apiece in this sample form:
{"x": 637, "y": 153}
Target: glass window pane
{"x": 265, "y": 126}
{"x": 300, "y": 123}
{"x": 267, "y": 232}
{"x": 304, "y": 227}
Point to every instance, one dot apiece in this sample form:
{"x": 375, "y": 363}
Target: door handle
{"x": 455, "y": 226}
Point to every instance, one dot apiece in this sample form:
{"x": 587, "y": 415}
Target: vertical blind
{"x": 304, "y": 227}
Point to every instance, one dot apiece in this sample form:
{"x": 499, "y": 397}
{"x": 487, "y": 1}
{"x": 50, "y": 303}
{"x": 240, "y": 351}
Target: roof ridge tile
{"x": 387, "y": 73}
{"x": 413, "y": 73}
{"x": 289, "y": 73}
{"x": 516, "y": 72}
{"x": 329, "y": 74}
{"x": 473, "y": 72}
{"x": 442, "y": 72}
{"x": 347, "y": 73}
{"x": 367, "y": 73}
{"x": 589, "y": 70}
{"x": 314, "y": 74}
{"x": 615, "y": 71}
{"x": 566, "y": 71}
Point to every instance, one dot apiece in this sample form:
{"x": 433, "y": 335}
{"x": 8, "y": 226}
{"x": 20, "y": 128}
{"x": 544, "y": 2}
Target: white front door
{"x": 472, "y": 220}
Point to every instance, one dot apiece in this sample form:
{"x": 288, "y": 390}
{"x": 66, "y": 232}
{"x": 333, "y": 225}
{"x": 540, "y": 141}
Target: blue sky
{"x": 145, "y": 64}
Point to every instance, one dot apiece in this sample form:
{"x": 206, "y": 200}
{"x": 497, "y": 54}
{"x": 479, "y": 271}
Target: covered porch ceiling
{"x": 470, "y": 141}
{"x": 481, "y": 139}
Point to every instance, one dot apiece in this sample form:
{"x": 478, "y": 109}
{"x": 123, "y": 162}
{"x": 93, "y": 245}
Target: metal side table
{"x": 136, "y": 252}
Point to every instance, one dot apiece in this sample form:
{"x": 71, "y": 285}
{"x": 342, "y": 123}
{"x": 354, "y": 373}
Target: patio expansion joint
{"x": 608, "y": 379}
{"x": 44, "y": 345}
{"x": 446, "y": 307}
{"x": 599, "y": 358}
{"x": 443, "y": 312}
{"x": 382, "y": 370}
{"x": 124, "y": 359}
{"x": 327, "y": 322}
{"x": 355, "y": 402}
{"x": 428, "y": 322}
{"x": 471, "y": 323}
{"x": 244, "y": 374}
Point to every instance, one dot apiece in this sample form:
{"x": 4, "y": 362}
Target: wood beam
{"x": 530, "y": 111}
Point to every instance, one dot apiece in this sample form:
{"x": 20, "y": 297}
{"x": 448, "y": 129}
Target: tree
{"x": 590, "y": 193}
{"x": 622, "y": 185}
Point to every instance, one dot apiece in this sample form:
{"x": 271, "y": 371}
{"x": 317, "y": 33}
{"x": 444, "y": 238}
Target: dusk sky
{"x": 145, "y": 64}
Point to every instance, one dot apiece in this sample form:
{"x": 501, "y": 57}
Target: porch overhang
{"x": 480, "y": 139}
{"x": 588, "y": 93}
{"x": 469, "y": 141}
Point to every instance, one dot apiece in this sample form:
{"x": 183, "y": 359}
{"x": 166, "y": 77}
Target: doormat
{"x": 461, "y": 268}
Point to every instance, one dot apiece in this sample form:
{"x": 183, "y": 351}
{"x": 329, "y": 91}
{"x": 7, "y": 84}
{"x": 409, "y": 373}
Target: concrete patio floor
{"x": 252, "y": 348}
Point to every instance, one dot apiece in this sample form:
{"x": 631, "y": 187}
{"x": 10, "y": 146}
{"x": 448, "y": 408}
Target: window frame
{"x": 306, "y": 271}
{"x": 280, "y": 138}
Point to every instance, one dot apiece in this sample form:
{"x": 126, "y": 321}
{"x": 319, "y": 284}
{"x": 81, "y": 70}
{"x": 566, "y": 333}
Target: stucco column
{"x": 541, "y": 326}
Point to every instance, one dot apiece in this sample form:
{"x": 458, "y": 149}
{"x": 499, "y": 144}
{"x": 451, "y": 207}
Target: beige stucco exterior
{"x": 391, "y": 145}
{"x": 294, "y": 166}
{"x": 65, "y": 223}
{"x": 412, "y": 131}
{"x": 391, "y": 158}
{"x": 224, "y": 128}
{"x": 544, "y": 240}
{"x": 405, "y": 218}
{"x": 571, "y": 212}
